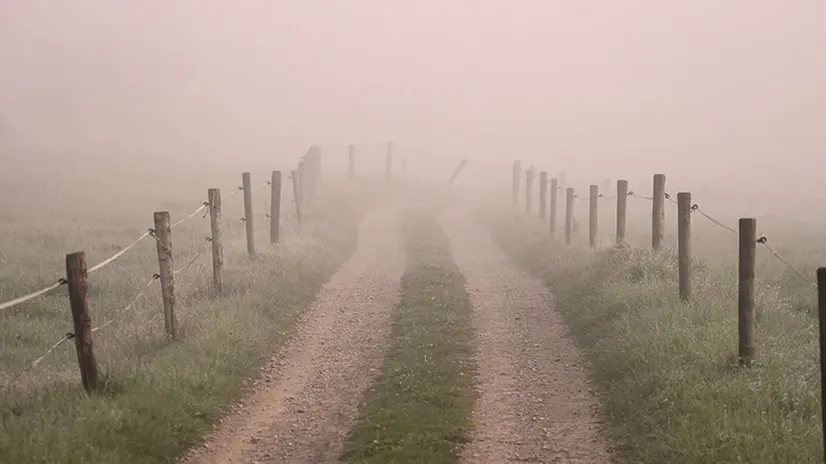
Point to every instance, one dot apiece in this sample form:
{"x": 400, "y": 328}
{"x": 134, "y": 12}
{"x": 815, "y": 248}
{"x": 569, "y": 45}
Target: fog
{"x": 705, "y": 91}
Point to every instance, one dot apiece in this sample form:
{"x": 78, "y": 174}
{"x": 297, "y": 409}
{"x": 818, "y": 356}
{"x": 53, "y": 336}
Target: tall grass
{"x": 419, "y": 409}
{"x": 667, "y": 371}
{"x": 159, "y": 396}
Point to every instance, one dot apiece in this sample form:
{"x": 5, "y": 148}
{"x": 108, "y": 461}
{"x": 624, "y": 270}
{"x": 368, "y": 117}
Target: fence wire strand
{"x": 120, "y": 253}
{"x": 763, "y": 241}
{"x": 31, "y": 296}
{"x": 203, "y": 206}
{"x": 192, "y": 261}
{"x": 132, "y": 301}
{"x": 40, "y": 358}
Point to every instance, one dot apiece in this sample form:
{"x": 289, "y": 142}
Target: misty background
{"x": 725, "y": 97}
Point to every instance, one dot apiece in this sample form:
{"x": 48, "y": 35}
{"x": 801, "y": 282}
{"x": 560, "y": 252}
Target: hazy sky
{"x": 684, "y": 87}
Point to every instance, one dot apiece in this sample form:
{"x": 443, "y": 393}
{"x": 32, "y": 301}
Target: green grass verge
{"x": 666, "y": 370}
{"x": 419, "y": 409}
{"x": 160, "y": 396}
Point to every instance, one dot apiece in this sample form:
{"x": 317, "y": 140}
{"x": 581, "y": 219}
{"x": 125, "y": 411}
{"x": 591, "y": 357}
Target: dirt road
{"x": 308, "y": 397}
{"x": 535, "y": 403}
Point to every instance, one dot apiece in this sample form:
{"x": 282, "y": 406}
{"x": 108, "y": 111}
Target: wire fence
{"x": 761, "y": 240}
{"x": 695, "y": 208}
{"x": 196, "y": 254}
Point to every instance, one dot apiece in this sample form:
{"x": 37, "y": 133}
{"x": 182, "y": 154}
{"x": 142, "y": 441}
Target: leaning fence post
{"x": 163, "y": 234}
{"x": 553, "y": 206}
{"x": 214, "y": 197}
{"x": 745, "y": 301}
{"x": 569, "y": 215}
{"x": 684, "y": 243}
{"x": 821, "y": 312}
{"x": 658, "y": 212}
{"x": 248, "y": 219}
{"x": 275, "y": 206}
{"x": 593, "y": 215}
{"x": 622, "y": 208}
{"x": 77, "y": 285}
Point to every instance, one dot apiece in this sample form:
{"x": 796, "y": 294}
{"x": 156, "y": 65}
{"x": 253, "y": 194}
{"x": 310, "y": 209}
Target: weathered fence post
{"x": 517, "y": 176}
{"x": 821, "y": 313}
{"x": 593, "y": 215}
{"x": 351, "y": 160}
{"x": 296, "y": 178}
{"x": 658, "y": 212}
{"x": 388, "y": 160}
{"x": 275, "y": 206}
{"x": 569, "y": 215}
{"x": 552, "y": 212}
{"x": 543, "y": 193}
{"x": 214, "y": 197}
{"x": 529, "y": 189}
{"x": 77, "y": 285}
{"x": 745, "y": 301}
{"x": 248, "y": 219}
{"x": 684, "y": 243}
{"x": 163, "y": 234}
{"x": 622, "y": 209}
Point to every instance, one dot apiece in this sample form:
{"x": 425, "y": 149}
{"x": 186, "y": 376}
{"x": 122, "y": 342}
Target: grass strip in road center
{"x": 420, "y": 407}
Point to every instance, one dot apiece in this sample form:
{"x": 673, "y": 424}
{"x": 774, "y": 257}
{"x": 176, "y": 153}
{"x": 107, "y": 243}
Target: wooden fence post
{"x": 593, "y": 216}
{"x": 658, "y": 212}
{"x": 388, "y": 160}
{"x": 248, "y": 219}
{"x": 295, "y": 175}
{"x": 543, "y": 193}
{"x": 77, "y": 285}
{"x": 684, "y": 243}
{"x": 745, "y": 302}
{"x": 351, "y": 160}
{"x": 163, "y": 234}
{"x": 529, "y": 189}
{"x": 622, "y": 209}
{"x": 275, "y": 206}
{"x": 214, "y": 197}
{"x": 569, "y": 215}
{"x": 821, "y": 312}
{"x": 552, "y": 212}
{"x": 517, "y": 177}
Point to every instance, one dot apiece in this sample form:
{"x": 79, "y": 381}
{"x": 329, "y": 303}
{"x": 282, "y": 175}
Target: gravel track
{"x": 307, "y": 399}
{"x": 535, "y": 402}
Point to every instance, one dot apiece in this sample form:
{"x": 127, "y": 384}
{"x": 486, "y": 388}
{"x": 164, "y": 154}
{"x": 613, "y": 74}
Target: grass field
{"x": 419, "y": 409}
{"x": 159, "y": 396}
{"x": 667, "y": 371}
